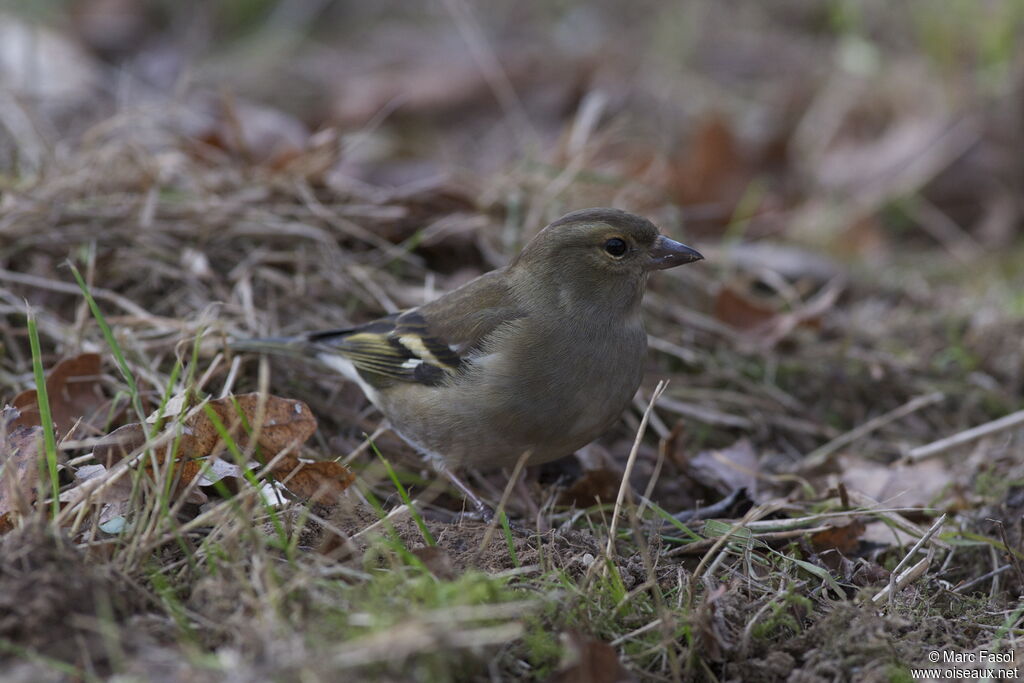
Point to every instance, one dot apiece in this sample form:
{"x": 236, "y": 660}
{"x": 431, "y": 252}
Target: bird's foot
{"x": 481, "y": 510}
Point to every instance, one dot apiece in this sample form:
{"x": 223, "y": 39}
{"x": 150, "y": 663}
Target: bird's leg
{"x": 485, "y": 511}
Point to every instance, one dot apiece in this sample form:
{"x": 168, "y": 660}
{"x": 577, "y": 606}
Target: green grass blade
{"x": 507, "y": 530}
{"x": 424, "y": 531}
{"x": 115, "y": 348}
{"x": 45, "y": 416}
{"x": 236, "y": 452}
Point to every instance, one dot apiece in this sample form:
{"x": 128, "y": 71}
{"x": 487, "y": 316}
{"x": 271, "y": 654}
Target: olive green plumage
{"x": 541, "y": 355}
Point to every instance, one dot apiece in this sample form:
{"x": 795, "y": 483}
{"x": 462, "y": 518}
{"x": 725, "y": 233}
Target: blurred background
{"x": 846, "y": 124}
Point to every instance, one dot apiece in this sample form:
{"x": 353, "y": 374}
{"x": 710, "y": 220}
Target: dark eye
{"x": 615, "y": 247}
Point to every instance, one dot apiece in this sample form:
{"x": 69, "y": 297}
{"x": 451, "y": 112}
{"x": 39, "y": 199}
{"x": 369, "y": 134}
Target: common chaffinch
{"x": 540, "y": 356}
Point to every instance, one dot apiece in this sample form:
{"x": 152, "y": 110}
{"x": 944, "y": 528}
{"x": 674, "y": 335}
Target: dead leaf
{"x": 741, "y": 311}
{"x": 918, "y": 484}
{"x": 843, "y": 536}
{"x": 587, "y": 660}
{"x": 320, "y": 482}
{"x": 254, "y": 132}
{"x": 727, "y": 469}
{"x": 283, "y": 424}
{"x": 768, "y": 320}
{"x": 286, "y": 423}
{"x": 119, "y": 444}
{"x": 75, "y": 394}
{"x": 593, "y": 486}
{"x": 115, "y": 492}
{"x": 20, "y": 452}
{"x": 712, "y": 170}
{"x": 219, "y": 470}
{"x": 123, "y": 441}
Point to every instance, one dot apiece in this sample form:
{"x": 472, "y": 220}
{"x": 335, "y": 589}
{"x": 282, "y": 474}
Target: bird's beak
{"x": 668, "y": 253}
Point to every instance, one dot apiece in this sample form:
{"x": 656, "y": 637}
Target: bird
{"x": 539, "y": 357}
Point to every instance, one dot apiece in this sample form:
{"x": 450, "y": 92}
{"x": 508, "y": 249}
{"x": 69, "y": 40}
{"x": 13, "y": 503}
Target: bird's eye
{"x": 615, "y": 247}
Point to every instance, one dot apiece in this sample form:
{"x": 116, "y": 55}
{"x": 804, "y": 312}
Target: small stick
{"x": 823, "y": 454}
{"x": 65, "y": 288}
{"x": 400, "y": 512}
{"x": 984, "y": 577}
{"x": 698, "y": 547}
{"x": 904, "y": 579}
{"x": 950, "y": 442}
{"x": 229, "y": 383}
{"x": 629, "y": 467}
{"x": 752, "y": 513}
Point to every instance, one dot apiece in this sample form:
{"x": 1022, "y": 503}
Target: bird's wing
{"x": 428, "y": 344}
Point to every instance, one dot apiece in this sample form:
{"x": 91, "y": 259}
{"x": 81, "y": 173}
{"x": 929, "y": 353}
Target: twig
{"x": 752, "y": 514}
{"x": 516, "y": 471}
{"x": 67, "y": 288}
{"x": 900, "y": 582}
{"x": 399, "y": 513}
{"x": 767, "y": 538}
{"x": 950, "y": 442}
{"x": 981, "y": 579}
{"x": 897, "y": 580}
{"x": 613, "y": 527}
{"x": 823, "y": 454}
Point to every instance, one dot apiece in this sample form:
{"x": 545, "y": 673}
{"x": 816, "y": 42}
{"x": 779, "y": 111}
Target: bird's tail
{"x": 297, "y": 347}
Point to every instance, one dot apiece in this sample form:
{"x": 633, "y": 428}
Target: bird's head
{"x": 596, "y": 260}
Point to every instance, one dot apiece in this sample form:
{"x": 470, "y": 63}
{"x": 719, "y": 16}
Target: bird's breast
{"x": 544, "y": 391}
{"x": 559, "y": 392}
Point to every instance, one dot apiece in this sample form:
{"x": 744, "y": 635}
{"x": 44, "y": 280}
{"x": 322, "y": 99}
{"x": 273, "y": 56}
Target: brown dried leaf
{"x": 286, "y": 424}
{"x": 712, "y": 169}
{"x": 20, "y": 452}
{"x": 917, "y": 484}
{"x": 320, "y": 482}
{"x": 741, "y": 311}
{"x": 115, "y": 492}
{"x": 257, "y": 133}
{"x": 124, "y": 440}
{"x": 593, "y": 486}
{"x": 118, "y": 444}
{"x": 75, "y": 393}
{"x": 727, "y": 469}
{"x": 184, "y": 473}
{"x": 842, "y": 537}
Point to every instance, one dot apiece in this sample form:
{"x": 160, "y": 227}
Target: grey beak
{"x": 668, "y": 253}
